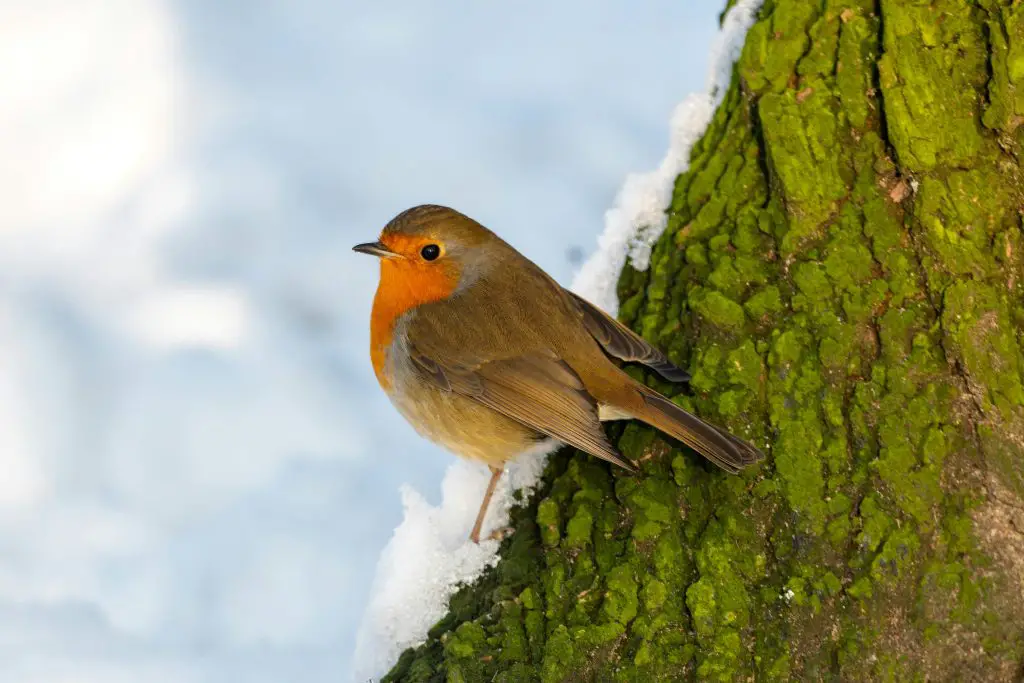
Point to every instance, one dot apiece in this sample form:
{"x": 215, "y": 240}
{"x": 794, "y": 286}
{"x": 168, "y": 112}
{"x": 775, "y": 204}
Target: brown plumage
{"x": 485, "y": 354}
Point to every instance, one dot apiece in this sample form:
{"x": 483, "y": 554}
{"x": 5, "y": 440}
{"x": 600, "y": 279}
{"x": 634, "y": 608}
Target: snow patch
{"x": 638, "y": 217}
{"x": 429, "y": 555}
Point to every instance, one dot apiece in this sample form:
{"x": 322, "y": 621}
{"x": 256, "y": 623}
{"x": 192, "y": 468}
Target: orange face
{"x": 417, "y": 273}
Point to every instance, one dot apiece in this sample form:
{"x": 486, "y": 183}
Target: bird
{"x": 486, "y": 355}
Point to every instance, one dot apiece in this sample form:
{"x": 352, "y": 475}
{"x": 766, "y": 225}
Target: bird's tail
{"x": 717, "y": 445}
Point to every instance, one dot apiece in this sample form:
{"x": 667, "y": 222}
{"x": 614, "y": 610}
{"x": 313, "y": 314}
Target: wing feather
{"x": 535, "y": 389}
{"x": 625, "y": 344}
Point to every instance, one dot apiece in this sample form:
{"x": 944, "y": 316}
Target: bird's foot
{"x": 496, "y": 535}
{"x": 501, "y": 534}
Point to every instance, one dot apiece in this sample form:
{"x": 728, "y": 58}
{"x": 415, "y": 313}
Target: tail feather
{"x": 717, "y": 445}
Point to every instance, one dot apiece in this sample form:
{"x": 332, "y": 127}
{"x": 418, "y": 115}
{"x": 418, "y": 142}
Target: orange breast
{"x": 404, "y": 285}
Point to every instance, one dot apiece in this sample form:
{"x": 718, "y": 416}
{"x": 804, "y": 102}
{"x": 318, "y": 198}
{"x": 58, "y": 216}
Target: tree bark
{"x": 842, "y": 273}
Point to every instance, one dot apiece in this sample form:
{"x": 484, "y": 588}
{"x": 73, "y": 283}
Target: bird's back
{"x": 513, "y": 308}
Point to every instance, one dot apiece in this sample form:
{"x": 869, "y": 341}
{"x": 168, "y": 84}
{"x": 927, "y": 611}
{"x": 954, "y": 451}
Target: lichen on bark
{"x": 842, "y": 273}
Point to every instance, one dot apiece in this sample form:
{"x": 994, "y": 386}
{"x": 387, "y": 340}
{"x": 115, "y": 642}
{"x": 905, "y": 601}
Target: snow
{"x": 430, "y": 556}
{"x": 638, "y": 218}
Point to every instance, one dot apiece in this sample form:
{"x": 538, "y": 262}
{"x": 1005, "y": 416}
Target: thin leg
{"x": 495, "y": 476}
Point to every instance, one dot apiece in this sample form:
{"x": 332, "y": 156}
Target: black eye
{"x": 430, "y": 252}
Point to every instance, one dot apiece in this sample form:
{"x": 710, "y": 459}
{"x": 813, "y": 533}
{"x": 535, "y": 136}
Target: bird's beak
{"x": 374, "y": 249}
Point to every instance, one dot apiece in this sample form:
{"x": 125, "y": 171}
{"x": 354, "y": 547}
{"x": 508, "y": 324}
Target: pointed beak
{"x": 374, "y": 249}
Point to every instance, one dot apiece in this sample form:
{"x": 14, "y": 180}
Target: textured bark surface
{"x": 842, "y": 273}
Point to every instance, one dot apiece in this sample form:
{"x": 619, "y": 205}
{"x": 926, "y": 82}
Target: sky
{"x": 198, "y": 469}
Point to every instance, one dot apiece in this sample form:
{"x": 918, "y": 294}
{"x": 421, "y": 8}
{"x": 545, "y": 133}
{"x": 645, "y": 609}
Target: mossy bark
{"x": 842, "y": 273}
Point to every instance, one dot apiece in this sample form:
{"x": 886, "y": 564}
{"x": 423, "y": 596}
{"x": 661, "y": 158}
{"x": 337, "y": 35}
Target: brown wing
{"x": 621, "y": 342}
{"x": 535, "y": 389}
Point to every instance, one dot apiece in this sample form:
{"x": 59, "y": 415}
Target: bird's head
{"x": 428, "y": 252}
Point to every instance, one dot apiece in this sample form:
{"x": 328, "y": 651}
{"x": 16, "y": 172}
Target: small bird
{"x": 486, "y": 355}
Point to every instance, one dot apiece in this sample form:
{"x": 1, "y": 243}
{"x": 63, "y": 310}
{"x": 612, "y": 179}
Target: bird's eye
{"x": 430, "y": 252}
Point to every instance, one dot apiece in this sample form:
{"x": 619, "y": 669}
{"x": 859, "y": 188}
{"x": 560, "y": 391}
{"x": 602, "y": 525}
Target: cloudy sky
{"x": 197, "y": 470}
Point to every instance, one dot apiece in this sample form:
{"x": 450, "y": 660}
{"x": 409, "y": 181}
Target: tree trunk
{"x": 842, "y": 274}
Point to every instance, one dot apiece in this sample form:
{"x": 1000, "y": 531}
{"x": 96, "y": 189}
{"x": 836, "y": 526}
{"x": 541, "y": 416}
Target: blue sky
{"x": 200, "y": 469}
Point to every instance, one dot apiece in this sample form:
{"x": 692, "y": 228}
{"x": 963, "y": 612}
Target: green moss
{"x": 620, "y": 603}
{"x": 861, "y": 589}
{"x": 464, "y": 653}
{"x": 848, "y": 264}
{"x": 765, "y": 302}
{"x": 1006, "y": 49}
{"x": 899, "y": 551}
{"x": 547, "y": 520}
{"x": 774, "y": 46}
{"x": 654, "y": 505}
{"x": 931, "y": 72}
{"x": 802, "y": 143}
{"x": 979, "y": 333}
{"x": 875, "y": 525}
{"x": 696, "y": 255}
{"x": 955, "y": 230}
{"x": 558, "y": 655}
{"x": 983, "y": 341}
{"x": 718, "y": 310}
{"x": 579, "y": 528}
{"x": 853, "y": 67}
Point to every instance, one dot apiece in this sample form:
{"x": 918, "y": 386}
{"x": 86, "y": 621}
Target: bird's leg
{"x": 495, "y": 476}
